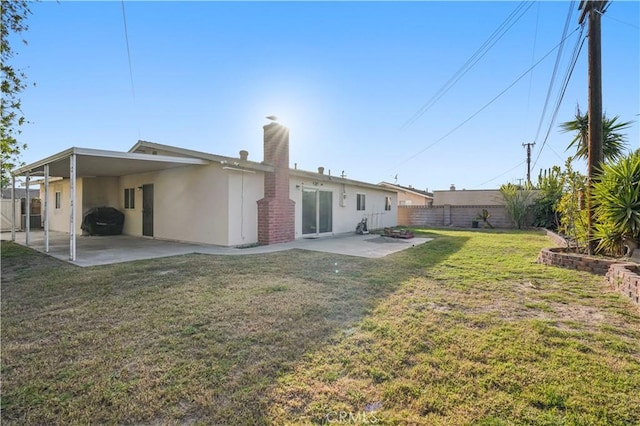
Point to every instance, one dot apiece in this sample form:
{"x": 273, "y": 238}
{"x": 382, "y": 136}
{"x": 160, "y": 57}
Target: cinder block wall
{"x": 455, "y": 216}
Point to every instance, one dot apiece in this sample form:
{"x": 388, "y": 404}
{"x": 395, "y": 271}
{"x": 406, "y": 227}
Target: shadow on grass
{"x": 193, "y": 338}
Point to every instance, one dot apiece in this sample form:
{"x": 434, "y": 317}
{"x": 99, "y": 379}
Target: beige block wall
{"x": 345, "y": 215}
{"x": 489, "y": 197}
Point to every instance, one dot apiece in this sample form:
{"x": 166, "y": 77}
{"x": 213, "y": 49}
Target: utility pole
{"x": 593, "y": 9}
{"x": 529, "y": 145}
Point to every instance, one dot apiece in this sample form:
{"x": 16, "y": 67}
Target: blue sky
{"x": 344, "y": 77}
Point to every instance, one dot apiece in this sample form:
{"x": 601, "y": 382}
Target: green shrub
{"x": 545, "y": 206}
{"x": 617, "y": 199}
{"x": 571, "y": 207}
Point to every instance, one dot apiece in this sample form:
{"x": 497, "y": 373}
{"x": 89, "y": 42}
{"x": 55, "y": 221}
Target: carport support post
{"x": 13, "y": 208}
{"x": 27, "y": 203}
{"x": 46, "y": 208}
{"x": 72, "y": 198}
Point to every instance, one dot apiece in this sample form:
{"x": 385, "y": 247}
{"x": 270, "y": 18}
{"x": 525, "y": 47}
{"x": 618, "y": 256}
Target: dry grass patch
{"x": 171, "y": 340}
{"x": 466, "y": 329}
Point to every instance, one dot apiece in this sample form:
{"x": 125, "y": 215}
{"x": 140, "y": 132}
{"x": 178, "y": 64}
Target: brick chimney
{"x": 276, "y": 212}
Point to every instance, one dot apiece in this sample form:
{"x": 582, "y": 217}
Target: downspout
{"x": 72, "y": 218}
{"x": 13, "y": 208}
{"x": 28, "y": 215}
{"x": 46, "y": 208}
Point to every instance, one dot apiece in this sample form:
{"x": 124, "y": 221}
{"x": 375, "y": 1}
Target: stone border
{"x": 556, "y": 238}
{"x": 623, "y": 277}
{"x": 563, "y": 257}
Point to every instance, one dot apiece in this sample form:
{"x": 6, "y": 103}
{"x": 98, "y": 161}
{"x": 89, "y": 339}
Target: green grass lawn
{"x": 466, "y": 329}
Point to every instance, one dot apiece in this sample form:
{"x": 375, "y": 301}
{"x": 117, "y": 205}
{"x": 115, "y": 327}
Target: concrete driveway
{"x": 94, "y": 250}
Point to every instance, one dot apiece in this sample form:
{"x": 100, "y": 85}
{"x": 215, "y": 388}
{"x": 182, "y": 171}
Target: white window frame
{"x": 361, "y": 202}
{"x": 129, "y": 198}
{"x": 387, "y": 204}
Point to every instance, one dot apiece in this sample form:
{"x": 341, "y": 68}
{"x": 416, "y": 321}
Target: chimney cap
{"x": 272, "y": 117}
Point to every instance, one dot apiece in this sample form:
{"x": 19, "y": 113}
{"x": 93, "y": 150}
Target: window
{"x": 129, "y": 198}
{"x": 387, "y": 203}
{"x": 58, "y": 199}
{"x": 360, "y": 202}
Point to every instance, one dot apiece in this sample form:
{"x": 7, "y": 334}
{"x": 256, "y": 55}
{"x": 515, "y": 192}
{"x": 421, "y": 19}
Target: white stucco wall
{"x": 212, "y": 205}
{"x": 100, "y": 192}
{"x": 59, "y": 219}
{"x": 344, "y": 213}
{"x": 190, "y": 204}
{"x": 245, "y": 189}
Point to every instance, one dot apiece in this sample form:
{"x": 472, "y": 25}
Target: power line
{"x": 555, "y": 69}
{"x": 618, "y": 20}
{"x": 501, "y": 174}
{"x": 533, "y": 57}
{"x": 574, "y": 60}
{"x": 479, "y": 54}
{"x": 485, "y": 106}
{"x": 126, "y": 38}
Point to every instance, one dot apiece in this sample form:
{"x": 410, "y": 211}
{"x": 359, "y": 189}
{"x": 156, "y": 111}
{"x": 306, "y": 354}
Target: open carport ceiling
{"x": 96, "y": 162}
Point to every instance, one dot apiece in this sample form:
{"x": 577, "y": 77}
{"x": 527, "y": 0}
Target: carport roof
{"x": 98, "y": 162}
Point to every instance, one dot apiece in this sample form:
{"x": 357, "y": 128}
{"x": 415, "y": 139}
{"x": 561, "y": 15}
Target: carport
{"x": 75, "y": 163}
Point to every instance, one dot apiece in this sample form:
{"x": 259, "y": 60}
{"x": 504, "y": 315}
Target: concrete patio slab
{"x": 96, "y": 250}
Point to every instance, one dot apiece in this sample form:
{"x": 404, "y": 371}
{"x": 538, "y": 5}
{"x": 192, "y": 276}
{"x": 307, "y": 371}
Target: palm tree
{"x": 614, "y": 143}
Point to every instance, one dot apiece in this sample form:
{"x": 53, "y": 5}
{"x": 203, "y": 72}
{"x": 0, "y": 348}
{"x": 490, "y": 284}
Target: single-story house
{"x": 410, "y": 196}
{"x": 19, "y": 193}
{"x": 178, "y": 194}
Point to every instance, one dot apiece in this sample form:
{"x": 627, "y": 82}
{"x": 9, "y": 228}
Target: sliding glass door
{"x": 317, "y": 211}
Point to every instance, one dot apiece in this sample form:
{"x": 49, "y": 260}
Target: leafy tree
{"x": 516, "y": 201}
{"x": 617, "y": 198}
{"x": 14, "y": 16}
{"x": 545, "y": 206}
{"x": 571, "y": 207}
{"x": 614, "y": 143}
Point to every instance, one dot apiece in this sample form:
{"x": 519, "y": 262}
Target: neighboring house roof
{"x": 20, "y": 193}
{"x": 419, "y": 192}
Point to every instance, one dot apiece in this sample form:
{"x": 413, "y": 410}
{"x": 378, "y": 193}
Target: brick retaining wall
{"x": 559, "y": 256}
{"x": 624, "y": 278}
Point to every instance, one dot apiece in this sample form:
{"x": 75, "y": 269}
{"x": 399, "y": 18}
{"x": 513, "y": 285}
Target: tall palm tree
{"x": 614, "y": 143}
